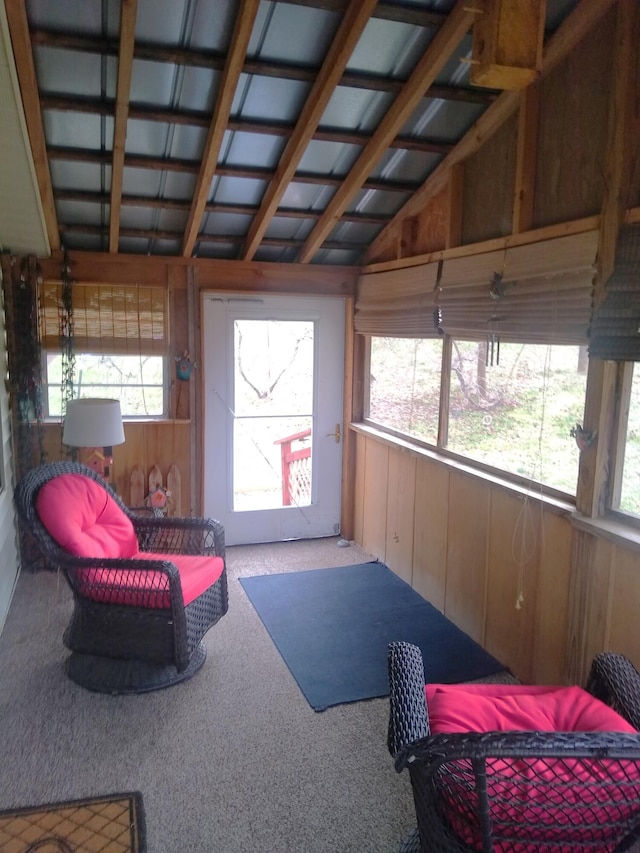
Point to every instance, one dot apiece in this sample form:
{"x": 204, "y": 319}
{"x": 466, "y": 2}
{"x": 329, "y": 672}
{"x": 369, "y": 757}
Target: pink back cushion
{"x": 84, "y": 519}
{"x": 507, "y": 707}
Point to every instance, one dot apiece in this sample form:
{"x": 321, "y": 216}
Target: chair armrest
{"x": 408, "y": 716}
{"x": 436, "y": 750}
{"x": 179, "y": 535}
{"x": 615, "y": 680}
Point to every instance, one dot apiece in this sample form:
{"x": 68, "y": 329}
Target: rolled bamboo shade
{"x": 535, "y": 293}
{"x": 108, "y": 318}
{"x": 398, "y": 303}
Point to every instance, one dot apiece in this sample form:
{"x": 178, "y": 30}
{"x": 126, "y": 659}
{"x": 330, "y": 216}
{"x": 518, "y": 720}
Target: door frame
{"x": 295, "y": 303}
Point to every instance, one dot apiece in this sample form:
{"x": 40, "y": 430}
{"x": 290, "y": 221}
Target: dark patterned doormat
{"x": 110, "y": 824}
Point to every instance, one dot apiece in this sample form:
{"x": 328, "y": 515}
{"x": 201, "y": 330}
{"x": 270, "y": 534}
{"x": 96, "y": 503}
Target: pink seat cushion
{"x": 84, "y": 519}
{"x": 517, "y": 791}
{"x": 148, "y": 588}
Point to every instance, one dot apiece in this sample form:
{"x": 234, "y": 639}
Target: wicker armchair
{"x": 130, "y": 631}
{"x": 519, "y": 791}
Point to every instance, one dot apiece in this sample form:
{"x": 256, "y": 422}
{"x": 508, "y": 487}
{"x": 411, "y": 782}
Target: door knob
{"x": 335, "y": 434}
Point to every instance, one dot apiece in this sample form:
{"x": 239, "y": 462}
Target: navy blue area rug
{"x": 332, "y": 628}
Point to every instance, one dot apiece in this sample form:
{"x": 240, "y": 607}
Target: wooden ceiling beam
{"x": 128, "y": 10}
{"x": 224, "y": 239}
{"x": 198, "y": 118}
{"x": 342, "y": 46}
{"x": 214, "y": 60}
{"x": 245, "y": 18}
{"x": 572, "y": 30}
{"x": 175, "y": 164}
{"x": 445, "y": 41}
{"x": 184, "y": 205}
{"x": 25, "y": 68}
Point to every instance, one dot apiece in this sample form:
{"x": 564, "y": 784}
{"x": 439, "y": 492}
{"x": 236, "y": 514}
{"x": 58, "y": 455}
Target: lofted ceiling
{"x": 241, "y": 129}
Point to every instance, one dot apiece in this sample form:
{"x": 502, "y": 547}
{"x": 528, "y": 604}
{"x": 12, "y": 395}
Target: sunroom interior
{"x": 474, "y": 213}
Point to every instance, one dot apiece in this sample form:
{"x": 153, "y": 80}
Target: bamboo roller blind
{"x": 119, "y": 319}
{"x": 542, "y": 294}
{"x": 397, "y": 304}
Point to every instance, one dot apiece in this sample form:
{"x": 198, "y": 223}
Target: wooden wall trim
{"x": 537, "y": 235}
{"x": 243, "y": 276}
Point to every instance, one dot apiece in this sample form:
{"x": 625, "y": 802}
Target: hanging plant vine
{"x": 65, "y": 322}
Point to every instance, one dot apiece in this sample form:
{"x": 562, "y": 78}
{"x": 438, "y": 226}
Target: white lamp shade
{"x": 93, "y": 422}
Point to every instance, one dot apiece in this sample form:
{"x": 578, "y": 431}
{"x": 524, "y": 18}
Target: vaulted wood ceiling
{"x": 252, "y": 129}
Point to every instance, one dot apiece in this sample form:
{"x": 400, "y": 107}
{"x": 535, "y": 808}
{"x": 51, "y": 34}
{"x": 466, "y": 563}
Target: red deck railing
{"x": 295, "y": 456}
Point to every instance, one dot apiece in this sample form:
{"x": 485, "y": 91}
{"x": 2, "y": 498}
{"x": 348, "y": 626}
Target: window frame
{"x": 166, "y": 389}
{"x": 617, "y": 446}
{"x": 440, "y": 447}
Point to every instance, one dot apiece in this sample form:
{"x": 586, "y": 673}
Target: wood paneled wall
{"x": 150, "y": 443}
{"x": 469, "y": 545}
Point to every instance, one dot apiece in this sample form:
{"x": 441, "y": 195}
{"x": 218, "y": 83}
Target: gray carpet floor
{"x": 232, "y": 761}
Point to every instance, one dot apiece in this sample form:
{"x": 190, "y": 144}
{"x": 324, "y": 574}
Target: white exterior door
{"x": 273, "y": 375}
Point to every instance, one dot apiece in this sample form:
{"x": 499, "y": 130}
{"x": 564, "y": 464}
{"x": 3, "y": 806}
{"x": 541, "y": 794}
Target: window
{"x": 511, "y": 409}
{"x": 404, "y": 386}
{"x": 626, "y": 473}
{"x": 514, "y": 408}
{"x": 137, "y": 381}
{"x": 120, "y": 341}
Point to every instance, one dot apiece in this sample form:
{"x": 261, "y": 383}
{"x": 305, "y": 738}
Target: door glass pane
{"x": 273, "y": 405}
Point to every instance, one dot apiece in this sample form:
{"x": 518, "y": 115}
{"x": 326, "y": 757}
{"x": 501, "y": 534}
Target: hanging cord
{"x": 524, "y": 552}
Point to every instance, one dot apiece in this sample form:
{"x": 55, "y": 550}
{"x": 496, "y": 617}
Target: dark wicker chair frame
{"x": 464, "y": 769}
{"x": 131, "y": 649}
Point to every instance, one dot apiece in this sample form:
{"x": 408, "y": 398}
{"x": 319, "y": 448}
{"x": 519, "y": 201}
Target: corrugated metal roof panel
{"x": 233, "y": 224}
{"x": 180, "y": 51}
{"x": 238, "y": 190}
{"x": 288, "y": 33}
{"x": 83, "y": 242}
{"x": 91, "y": 177}
{"x": 254, "y": 149}
{"x": 75, "y": 72}
{"x": 78, "y": 130}
{"x": 171, "y": 220}
{"x": 161, "y": 21}
{"x": 445, "y": 121}
{"x": 96, "y": 17}
{"x": 136, "y": 217}
{"x": 289, "y": 228}
{"x": 167, "y": 247}
{"x": 329, "y": 158}
{"x": 402, "y": 165}
{"x": 82, "y": 213}
{"x": 378, "y": 202}
{"x": 356, "y": 109}
{"x": 216, "y": 250}
{"x": 270, "y": 98}
{"x": 306, "y": 196}
{"x": 389, "y": 48}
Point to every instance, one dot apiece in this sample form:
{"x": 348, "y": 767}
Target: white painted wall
{"x": 9, "y": 560}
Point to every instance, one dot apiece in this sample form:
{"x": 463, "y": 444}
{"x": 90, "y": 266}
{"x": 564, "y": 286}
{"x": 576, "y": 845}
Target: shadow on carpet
{"x": 332, "y": 628}
{"x": 113, "y": 823}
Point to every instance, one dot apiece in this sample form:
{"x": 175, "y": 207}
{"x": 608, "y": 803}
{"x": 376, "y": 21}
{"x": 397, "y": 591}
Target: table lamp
{"x": 94, "y": 424}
